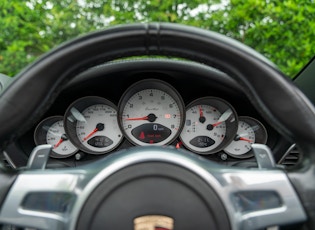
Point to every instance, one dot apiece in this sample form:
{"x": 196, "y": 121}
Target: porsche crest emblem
{"x": 153, "y": 222}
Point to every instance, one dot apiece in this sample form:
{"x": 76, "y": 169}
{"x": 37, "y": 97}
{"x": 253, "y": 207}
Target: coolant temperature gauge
{"x": 249, "y": 131}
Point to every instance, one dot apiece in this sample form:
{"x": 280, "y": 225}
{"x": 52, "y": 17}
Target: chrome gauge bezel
{"x": 73, "y": 115}
{"x": 261, "y": 136}
{"x": 230, "y": 124}
{"x": 142, "y": 87}
{"x": 41, "y": 132}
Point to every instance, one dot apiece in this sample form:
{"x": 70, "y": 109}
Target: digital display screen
{"x": 202, "y": 142}
{"x": 151, "y": 133}
{"x": 100, "y": 141}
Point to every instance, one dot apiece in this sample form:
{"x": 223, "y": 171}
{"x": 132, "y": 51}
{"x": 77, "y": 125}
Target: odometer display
{"x": 151, "y": 113}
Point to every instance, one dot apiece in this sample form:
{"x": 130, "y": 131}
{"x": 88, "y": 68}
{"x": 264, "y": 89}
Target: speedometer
{"x": 151, "y": 112}
{"x": 91, "y": 123}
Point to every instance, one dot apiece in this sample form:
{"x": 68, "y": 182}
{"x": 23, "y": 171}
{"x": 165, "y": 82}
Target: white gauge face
{"x": 204, "y": 129}
{"x": 51, "y": 131}
{"x": 249, "y": 131}
{"x": 243, "y": 140}
{"x": 57, "y": 138}
{"x": 98, "y": 129}
{"x": 151, "y": 117}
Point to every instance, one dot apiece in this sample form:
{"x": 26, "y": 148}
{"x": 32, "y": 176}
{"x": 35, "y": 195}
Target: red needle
{"x": 226, "y": 115}
{"x": 245, "y": 139}
{"x": 137, "y": 118}
{"x": 58, "y": 143}
{"x": 179, "y": 144}
{"x": 200, "y": 111}
{"x": 216, "y": 124}
{"x": 88, "y": 136}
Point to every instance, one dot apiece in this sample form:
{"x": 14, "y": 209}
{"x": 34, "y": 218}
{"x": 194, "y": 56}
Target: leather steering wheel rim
{"x": 274, "y": 96}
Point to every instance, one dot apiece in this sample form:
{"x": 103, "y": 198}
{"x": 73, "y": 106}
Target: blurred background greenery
{"x": 282, "y": 30}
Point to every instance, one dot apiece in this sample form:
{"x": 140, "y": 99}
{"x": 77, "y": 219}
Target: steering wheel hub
{"x": 153, "y": 188}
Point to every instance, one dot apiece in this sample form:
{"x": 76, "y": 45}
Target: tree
{"x": 280, "y": 30}
{"x": 19, "y": 39}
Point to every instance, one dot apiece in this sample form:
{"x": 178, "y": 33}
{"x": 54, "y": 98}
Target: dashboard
{"x": 142, "y": 102}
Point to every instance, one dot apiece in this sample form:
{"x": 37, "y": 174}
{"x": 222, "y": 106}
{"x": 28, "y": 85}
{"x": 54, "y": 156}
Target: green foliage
{"x": 18, "y": 34}
{"x": 280, "y": 30}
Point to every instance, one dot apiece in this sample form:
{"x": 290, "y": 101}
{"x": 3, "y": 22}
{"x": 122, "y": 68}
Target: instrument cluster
{"x": 150, "y": 112}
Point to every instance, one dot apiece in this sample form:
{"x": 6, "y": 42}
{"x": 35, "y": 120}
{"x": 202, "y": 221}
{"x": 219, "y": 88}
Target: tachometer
{"x": 91, "y": 123}
{"x": 151, "y": 112}
{"x": 210, "y": 125}
{"x": 51, "y": 131}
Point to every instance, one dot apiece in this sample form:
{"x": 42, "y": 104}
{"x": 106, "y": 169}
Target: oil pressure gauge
{"x": 249, "y": 131}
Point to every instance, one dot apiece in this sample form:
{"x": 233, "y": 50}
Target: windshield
{"x": 280, "y": 30}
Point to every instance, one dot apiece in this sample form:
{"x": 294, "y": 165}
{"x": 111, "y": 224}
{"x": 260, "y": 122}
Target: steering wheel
{"x": 158, "y": 186}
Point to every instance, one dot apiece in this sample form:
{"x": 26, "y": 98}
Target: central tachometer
{"x": 151, "y": 112}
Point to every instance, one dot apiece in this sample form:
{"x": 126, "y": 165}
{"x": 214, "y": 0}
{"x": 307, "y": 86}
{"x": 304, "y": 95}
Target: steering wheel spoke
{"x": 50, "y": 199}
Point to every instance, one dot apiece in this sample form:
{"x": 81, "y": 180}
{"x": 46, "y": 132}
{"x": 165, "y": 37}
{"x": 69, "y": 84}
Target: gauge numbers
{"x": 204, "y": 132}
{"x": 249, "y": 131}
{"x": 210, "y": 124}
{"x": 151, "y": 113}
{"x": 51, "y": 131}
{"x": 93, "y": 133}
{"x": 91, "y": 124}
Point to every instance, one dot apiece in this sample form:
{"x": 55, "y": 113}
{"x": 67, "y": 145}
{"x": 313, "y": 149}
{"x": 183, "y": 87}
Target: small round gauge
{"x": 151, "y": 112}
{"x": 51, "y": 131}
{"x": 249, "y": 131}
{"x": 91, "y": 123}
{"x": 210, "y": 125}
